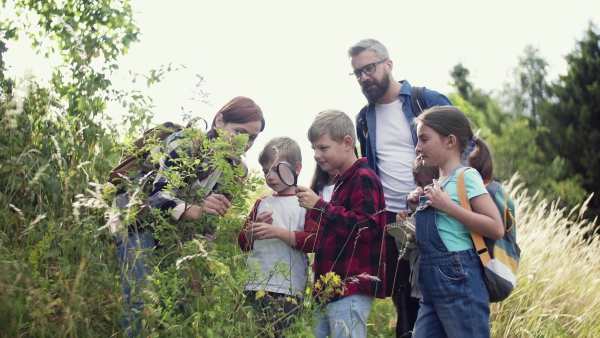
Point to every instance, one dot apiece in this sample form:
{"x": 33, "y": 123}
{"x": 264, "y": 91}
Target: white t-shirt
{"x": 395, "y": 153}
{"x": 326, "y": 192}
{"x": 274, "y": 265}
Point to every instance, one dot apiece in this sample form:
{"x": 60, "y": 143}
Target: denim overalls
{"x": 455, "y": 300}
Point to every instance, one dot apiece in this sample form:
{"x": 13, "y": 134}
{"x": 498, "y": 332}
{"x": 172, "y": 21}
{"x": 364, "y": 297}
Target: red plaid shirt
{"x": 351, "y": 232}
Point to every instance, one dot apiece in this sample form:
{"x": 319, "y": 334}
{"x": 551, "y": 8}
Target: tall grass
{"x": 558, "y": 278}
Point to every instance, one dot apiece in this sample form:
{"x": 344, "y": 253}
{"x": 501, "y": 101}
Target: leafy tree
{"x": 513, "y": 141}
{"x": 529, "y": 93}
{"x": 462, "y": 83}
{"x": 489, "y": 113}
{"x": 460, "y": 76}
{"x": 572, "y": 120}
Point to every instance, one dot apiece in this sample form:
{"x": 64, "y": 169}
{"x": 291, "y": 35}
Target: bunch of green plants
{"x": 197, "y": 286}
{"x": 51, "y": 266}
{"x": 57, "y": 271}
{"x": 59, "y": 274}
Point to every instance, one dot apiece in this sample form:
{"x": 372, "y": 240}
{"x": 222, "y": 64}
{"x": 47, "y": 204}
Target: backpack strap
{"x": 362, "y": 131}
{"x": 508, "y": 219}
{"x": 417, "y": 100}
{"x": 482, "y": 250}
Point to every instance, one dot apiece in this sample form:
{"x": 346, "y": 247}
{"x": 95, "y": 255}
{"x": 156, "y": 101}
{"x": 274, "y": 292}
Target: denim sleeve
{"x": 433, "y": 98}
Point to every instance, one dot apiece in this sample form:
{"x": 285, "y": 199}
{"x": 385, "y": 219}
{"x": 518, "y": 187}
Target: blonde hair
{"x": 334, "y": 123}
{"x": 282, "y": 147}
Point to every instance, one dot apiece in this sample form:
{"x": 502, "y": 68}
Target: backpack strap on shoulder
{"x": 480, "y": 246}
{"x": 508, "y": 219}
{"x": 362, "y": 130}
{"x": 417, "y": 100}
{"x": 361, "y": 122}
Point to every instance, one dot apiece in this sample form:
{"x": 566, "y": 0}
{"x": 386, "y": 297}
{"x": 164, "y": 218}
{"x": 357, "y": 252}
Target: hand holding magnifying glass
{"x": 287, "y": 174}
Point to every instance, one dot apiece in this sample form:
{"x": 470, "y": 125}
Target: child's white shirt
{"x": 327, "y": 192}
{"x": 274, "y": 265}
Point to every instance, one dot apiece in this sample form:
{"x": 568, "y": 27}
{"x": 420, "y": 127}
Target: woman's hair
{"x": 240, "y": 109}
{"x": 446, "y": 120}
{"x": 319, "y": 180}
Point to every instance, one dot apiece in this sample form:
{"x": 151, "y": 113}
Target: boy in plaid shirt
{"x": 349, "y": 263}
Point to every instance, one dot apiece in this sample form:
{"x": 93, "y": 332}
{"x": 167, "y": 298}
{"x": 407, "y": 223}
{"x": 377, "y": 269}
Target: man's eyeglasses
{"x": 368, "y": 69}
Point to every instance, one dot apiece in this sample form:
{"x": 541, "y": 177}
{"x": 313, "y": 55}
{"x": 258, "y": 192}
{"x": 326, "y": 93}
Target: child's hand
{"x": 438, "y": 197}
{"x": 265, "y": 217}
{"x": 306, "y": 197}
{"x": 266, "y": 231}
{"x": 413, "y": 198}
{"x": 402, "y": 216}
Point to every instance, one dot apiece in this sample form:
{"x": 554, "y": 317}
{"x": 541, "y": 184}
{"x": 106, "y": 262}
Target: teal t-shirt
{"x": 454, "y": 234}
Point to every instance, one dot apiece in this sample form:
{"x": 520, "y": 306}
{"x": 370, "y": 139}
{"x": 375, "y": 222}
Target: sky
{"x": 291, "y": 57}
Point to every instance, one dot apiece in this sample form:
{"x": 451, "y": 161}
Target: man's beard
{"x": 373, "y": 95}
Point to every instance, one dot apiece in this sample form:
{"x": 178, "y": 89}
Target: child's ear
{"x": 348, "y": 144}
{"x": 298, "y": 167}
{"x": 451, "y": 140}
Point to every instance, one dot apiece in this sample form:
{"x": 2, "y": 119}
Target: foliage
{"x": 460, "y": 77}
{"x": 466, "y": 90}
{"x": 572, "y": 119}
{"x": 197, "y": 287}
{"x": 54, "y": 140}
{"x": 58, "y": 273}
{"x": 509, "y": 128}
{"x": 529, "y": 93}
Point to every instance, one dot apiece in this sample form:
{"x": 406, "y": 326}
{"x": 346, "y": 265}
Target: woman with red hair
{"x": 190, "y": 198}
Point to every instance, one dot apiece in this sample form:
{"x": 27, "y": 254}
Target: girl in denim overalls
{"x": 455, "y": 299}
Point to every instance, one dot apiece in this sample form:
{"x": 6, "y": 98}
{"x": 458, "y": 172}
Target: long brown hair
{"x": 446, "y": 120}
{"x": 319, "y": 180}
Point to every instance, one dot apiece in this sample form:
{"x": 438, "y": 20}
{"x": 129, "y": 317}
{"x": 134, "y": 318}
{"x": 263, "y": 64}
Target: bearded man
{"x": 388, "y": 138}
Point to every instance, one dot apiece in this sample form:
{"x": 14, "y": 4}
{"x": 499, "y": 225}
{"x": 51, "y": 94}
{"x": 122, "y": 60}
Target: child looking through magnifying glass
{"x": 275, "y": 235}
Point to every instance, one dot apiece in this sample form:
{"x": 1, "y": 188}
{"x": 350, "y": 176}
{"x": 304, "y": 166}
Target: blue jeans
{"x": 455, "y": 300}
{"x": 134, "y": 252}
{"x": 346, "y": 317}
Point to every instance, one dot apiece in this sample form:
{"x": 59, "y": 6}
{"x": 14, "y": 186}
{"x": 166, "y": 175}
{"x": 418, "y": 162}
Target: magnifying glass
{"x": 287, "y": 174}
